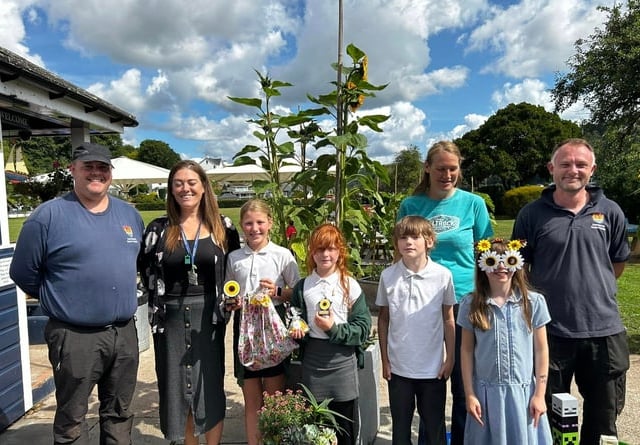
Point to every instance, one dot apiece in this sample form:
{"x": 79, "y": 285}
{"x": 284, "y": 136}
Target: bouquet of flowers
{"x": 263, "y": 339}
{"x": 291, "y": 418}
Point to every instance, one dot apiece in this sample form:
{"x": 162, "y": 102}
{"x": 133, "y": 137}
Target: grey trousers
{"x": 83, "y": 358}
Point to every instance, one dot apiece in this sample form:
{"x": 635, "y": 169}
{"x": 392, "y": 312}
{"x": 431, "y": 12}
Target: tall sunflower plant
{"x": 287, "y": 138}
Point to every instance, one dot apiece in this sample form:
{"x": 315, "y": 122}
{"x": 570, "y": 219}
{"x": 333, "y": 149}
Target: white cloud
{"x": 532, "y": 91}
{"x": 406, "y": 126}
{"x": 12, "y": 30}
{"x": 219, "y": 138}
{"x": 124, "y": 92}
{"x": 170, "y": 35}
{"x": 534, "y": 36}
{"x": 175, "y": 64}
{"x": 471, "y": 122}
{"x": 414, "y": 86}
{"x": 536, "y": 92}
{"x": 393, "y": 33}
{"x": 209, "y": 50}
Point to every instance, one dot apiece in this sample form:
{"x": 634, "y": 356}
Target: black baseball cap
{"x": 92, "y": 152}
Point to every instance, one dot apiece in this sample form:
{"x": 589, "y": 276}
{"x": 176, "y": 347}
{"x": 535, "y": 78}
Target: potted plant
{"x": 294, "y": 418}
{"x": 368, "y": 381}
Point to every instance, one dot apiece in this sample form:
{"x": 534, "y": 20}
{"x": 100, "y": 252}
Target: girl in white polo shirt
{"x": 260, "y": 264}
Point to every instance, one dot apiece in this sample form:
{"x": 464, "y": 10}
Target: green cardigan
{"x": 353, "y": 333}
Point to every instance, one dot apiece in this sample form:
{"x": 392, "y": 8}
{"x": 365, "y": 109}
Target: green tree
{"x": 45, "y": 153}
{"x": 601, "y": 74}
{"x": 617, "y": 168}
{"x": 603, "y": 69}
{"x": 514, "y": 145}
{"x": 58, "y": 182}
{"x": 112, "y": 141}
{"x": 406, "y": 171}
{"x": 157, "y": 153}
{"x": 115, "y": 145}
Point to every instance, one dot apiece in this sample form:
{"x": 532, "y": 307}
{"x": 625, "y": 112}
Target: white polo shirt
{"x": 416, "y": 329}
{"x": 316, "y": 288}
{"x": 248, "y": 267}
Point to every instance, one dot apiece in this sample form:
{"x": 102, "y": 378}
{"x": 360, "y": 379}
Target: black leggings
{"x": 349, "y": 428}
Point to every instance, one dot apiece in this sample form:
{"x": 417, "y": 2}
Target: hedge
{"x": 514, "y": 199}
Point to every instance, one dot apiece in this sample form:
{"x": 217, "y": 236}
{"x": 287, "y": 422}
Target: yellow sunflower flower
{"x": 514, "y": 244}
{"x": 365, "y": 67}
{"x": 483, "y": 245}
{"x": 231, "y": 288}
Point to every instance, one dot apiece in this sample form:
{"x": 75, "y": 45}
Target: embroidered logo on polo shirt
{"x": 598, "y": 221}
{"x": 128, "y": 230}
{"x": 598, "y": 218}
{"x": 444, "y": 223}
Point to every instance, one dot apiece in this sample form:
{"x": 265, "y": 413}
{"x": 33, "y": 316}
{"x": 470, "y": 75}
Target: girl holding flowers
{"x": 335, "y": 310}
{"x": 504, "y": 353}
{"x": 261, "y": 268}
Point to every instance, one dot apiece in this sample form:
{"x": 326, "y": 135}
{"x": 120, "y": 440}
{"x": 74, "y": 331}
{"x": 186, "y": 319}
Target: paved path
{"x": 35, "y": 427}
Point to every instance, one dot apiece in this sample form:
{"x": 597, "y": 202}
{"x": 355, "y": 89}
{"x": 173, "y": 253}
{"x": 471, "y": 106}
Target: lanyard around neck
{"x": 190, "y": 257}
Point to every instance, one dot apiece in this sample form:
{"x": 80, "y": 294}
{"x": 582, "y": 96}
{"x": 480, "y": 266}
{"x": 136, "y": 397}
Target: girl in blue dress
{"x": 504, "y": 354}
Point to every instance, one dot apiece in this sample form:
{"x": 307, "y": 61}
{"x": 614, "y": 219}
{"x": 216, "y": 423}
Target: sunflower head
{"x": 231, "y": 288}
{"x": 353, "y": 106}
{"x": 483, "y": 245}
{"x": 516, "y": 244}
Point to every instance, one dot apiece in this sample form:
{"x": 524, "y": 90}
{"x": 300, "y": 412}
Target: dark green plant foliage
{"x": 314, "y": 199}
{"x": 514, "y": 199}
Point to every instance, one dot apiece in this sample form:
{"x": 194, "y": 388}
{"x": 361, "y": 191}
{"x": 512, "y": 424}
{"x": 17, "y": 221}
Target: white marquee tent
{"x": 238, "y": 173}
{"x": 249, "y": 173}
{"x": 127, "y": 173}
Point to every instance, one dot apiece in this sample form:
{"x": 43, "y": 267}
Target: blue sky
{"x": 449, "y": 64}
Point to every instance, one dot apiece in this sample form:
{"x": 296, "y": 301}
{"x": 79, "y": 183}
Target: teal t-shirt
{"x": 459, "y": 221}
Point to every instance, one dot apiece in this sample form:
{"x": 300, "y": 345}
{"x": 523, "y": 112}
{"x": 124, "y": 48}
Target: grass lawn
{"x": 503, "y": 228}
{"x": 628, "y": 284}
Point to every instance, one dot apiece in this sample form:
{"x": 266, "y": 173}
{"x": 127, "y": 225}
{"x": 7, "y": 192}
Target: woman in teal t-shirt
{"x": 460, "y": 219}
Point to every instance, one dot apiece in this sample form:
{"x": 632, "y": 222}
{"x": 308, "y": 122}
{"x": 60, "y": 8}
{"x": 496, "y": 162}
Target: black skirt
{"x": 190, "y": 367}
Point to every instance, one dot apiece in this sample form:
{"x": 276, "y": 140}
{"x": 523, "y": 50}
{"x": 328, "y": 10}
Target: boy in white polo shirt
{"x": 416, "y": 327}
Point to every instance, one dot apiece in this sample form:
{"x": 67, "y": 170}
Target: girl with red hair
{"x": 334, "y": 307}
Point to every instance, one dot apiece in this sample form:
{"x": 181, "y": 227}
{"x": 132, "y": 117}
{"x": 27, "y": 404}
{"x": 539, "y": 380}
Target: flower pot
{"x": 370, "y": 288}
{"x": 369, "y": 401}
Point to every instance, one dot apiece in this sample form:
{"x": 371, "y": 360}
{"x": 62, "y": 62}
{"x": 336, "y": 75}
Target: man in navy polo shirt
{"x": 77, "y": 255}
{"x": 577, "y": 247}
